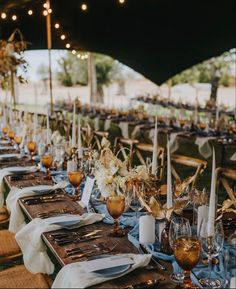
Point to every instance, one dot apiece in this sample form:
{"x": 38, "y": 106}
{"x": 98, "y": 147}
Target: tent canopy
{"x": 158, "y": 38}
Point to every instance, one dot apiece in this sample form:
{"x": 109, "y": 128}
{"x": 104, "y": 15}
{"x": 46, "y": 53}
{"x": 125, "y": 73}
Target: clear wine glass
{"x": 212, "y": 241}
{"x": 178, "y": 227}
{"x": 134, "y": 198}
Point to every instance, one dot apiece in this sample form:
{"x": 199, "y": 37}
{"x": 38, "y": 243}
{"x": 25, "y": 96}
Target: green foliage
{"x": 74, "y": 70}
{"x": 205, "y": 72}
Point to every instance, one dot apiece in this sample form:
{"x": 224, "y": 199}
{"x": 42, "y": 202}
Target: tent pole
{"x": 49, "y": 45}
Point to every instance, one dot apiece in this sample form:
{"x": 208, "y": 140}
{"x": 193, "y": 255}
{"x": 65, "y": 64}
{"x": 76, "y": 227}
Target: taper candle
{"x": 169, "y": 180}
{"x": 73, "y": 141}
{"x": 154, "y": 153}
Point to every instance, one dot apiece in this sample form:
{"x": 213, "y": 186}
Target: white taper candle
{"x": 212, "y": 205}
{"x": 79, "y": 140}
{"x": 73, "y": 141}
{"x": 169, "y": 180}
{"x": 154, "y": 153}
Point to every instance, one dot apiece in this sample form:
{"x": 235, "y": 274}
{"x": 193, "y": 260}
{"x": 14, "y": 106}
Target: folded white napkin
{"x": 3, "y": 148}
{"x": 204, "y": 147}
{"x": 74, "y": 276}
{"x": 5, "y": 172}
{"x": 29, "y": 239}
{"x": 174, "y": 144}
{"x": 124, "y": 126}
{"x": 17, "y": 220}
{"x": 233, "y": 157}
{"x": 107, "y": 124}
{"x": 232, "y": 283}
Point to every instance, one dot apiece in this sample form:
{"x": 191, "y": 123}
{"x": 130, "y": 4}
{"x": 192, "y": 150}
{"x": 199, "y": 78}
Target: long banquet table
{"x": 58, "y": 253}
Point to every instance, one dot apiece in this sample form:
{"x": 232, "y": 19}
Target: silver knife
{"x": 78, "y": 240}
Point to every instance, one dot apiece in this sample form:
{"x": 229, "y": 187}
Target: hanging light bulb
{"x": 49, "y": 10}
{"x": 57, "y": 25}
{"x": 63, "y": 37}
{"x": 3, "y": 15}
{"x": 30, "y": 12}
{"x": 121, "y": 1}
{"x": 84, "y": 7}
{"x": 45, "y": 13}
{"x": 45, "y": 5}
{"x": 73, "y": 52}
{"x": 14, "y": 17}
{"x": 67, "y": 45}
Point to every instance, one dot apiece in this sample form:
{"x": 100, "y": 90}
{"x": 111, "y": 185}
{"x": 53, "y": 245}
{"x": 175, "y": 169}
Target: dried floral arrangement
{"x": 12, "y": 58}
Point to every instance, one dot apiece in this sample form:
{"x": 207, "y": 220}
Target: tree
{"x": 74, "y": 70}
{"x": 216, "y": 71}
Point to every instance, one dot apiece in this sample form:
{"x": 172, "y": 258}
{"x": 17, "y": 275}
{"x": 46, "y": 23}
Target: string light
{"x": 3, "y": 15}
{"x": 78, "y": 55}
{"x": 49, "y": 10}
{"x": 121, "y": 1}
{"x": 73, "y": 52}
{"x": 45, "y": 5}
{"x": 57, "y": 25}
{"x": 84, "y": 7}
{"x": 67, "y": 45}
{"x": 63, "y": 37}
{"x": 30, "y": 12}
{"x": 45, "y": 13}
{"x": 14, "y": 17}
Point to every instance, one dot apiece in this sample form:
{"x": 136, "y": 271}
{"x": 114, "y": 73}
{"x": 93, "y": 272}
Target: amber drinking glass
{"x": 202, "y": 125}
{"x": 115, "y": 206}
{"x": 75, "y": 178}
{"x": 31, "y": 145}
{"x": 187, "y": 250}
{"x": 5, "y": 130}
{"x": 182, "y": 122}
{"x": 46, "y": 161}
{"x": 18, "y": 140}
{"x": 11, "y": 135}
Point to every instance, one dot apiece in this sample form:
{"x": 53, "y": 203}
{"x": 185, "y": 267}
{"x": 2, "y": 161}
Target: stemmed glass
{"x": 134, "y": 201}
{"x": 11, "y": 135}
{"x": 178, "y": 227}
{"x": 47, "y": 160}
{"x": 75, "y": 177}
{"x": 212, "y": 241}
{"x": 31, "y": 145}
{"x": 115, "y": 205}
{"x": 5, "y": 130}
{"x": 187, "y": 251}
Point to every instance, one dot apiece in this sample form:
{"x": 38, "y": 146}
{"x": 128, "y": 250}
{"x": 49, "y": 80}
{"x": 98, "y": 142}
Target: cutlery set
{"x": 44, "y": 199}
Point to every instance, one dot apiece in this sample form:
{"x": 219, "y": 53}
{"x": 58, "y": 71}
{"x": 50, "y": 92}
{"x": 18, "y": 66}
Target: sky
{"x": 37, "y": 57}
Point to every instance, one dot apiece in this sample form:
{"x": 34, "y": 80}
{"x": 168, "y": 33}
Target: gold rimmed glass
{"x": 18, "y": 140}
{"x": 187, "y": 251}
{"x": 11, "y": 135}
{"x": 47, "y": 161}
{"x": 5, "y": 130}
{"x": 31, "y": 145}
{"x": 115, "y": 205}
{"x": 75, "y": 178}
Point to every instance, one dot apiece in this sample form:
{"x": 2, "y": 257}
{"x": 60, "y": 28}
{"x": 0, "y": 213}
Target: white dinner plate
{"x": 41, "y": 189}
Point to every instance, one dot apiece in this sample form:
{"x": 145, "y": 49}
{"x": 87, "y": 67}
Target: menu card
{"x": 88, "y": 188}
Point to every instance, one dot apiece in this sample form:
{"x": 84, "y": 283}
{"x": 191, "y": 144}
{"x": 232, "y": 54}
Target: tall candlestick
{"x": 217, "y": 115}
{"x": 212, "y": 205}
{"x": 169, "y": 180}
{"x": 48, "y": 129}
{"x": 35, "y": 122}
{"x": 20, "y": 116}
{"x": 73, "y": 143}
{"x": 79, "y": 140}
{"x": 154, "y": 153}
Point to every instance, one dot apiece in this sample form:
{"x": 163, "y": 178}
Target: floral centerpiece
{"x": 12, "y": 58}
{"x": 110, "y": 173}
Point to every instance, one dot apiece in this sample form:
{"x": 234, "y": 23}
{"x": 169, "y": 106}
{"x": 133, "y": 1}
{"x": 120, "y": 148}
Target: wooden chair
{"x": 9, "y": 248}
{"x": 142, "y": 148}
{"x": 197, "y": 164}
{"x": 20, "y": 277}
{"x": 227, "y": 177}
{"x": 126, "y": 147}
{"x": 4, "y": 218}
{"x": 97, "y": 139}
